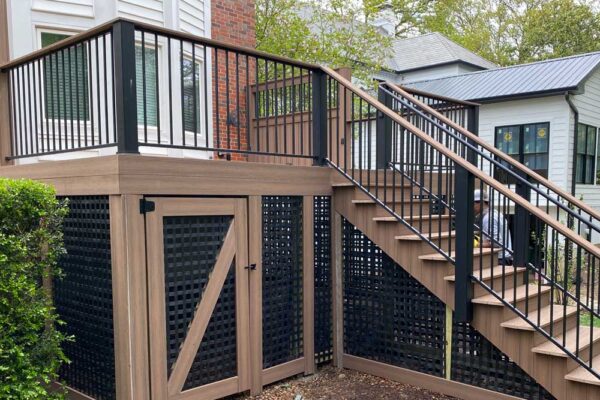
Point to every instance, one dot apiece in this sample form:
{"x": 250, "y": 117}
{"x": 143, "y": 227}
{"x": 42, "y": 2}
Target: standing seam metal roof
{"x": 560, "y": 74}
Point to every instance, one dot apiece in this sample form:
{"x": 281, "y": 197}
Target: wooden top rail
{"x": 490, "y": 181}
{"x": 505, "y": 157}
{"x": 107, "y": 27}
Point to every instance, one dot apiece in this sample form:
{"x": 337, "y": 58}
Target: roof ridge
{"x": 511, "y": 67}
{"x": 449, "y": 42}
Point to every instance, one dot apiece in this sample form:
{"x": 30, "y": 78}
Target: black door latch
{"x": 251, "y": 267}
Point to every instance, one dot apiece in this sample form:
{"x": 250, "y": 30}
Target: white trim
{"x": 207, "y": 20}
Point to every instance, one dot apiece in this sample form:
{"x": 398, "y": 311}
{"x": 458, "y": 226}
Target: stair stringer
{"x": 548, "y": 371}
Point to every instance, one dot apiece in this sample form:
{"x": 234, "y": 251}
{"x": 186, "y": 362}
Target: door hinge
{"x": 146, "y": 206}
{"x": 250, "y": 267}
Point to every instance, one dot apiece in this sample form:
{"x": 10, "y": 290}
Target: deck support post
{"x": 465, "y": 218}
{"x": 383, "y": 144}
{"x": 319, "y": 117}
{"x": 125, "y": 87}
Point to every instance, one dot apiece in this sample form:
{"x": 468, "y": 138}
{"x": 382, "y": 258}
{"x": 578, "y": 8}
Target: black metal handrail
{"x": 130, "y": 85}
{"x": 419, "y": 102}
{"x": 419, "y": 165}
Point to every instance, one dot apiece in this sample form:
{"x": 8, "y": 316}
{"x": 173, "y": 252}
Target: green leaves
{"x": 517, "y": 31}
{"x": 30, "y": 244}
{"x": 336, "y": 36}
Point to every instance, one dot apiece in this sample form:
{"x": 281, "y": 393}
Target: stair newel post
{"x": 521, "y": 225}
{"x": 319, "y": 117}
{"x": 464, "y": 184}
{"x": 473, "y": 127}
{"x": 123, "y": 35}
{"x": 383, "y": 144}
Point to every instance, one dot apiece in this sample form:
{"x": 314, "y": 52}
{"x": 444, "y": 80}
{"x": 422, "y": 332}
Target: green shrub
{"x": 30, "y": 244}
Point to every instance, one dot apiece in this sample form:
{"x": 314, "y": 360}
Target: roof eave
{"x": 521, "y": 96}
{"x": 403, "y": 71}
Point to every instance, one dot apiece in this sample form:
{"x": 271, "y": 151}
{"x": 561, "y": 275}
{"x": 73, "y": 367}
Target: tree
{"x": 335, "y": 33}
{"x": 517, "y": 31}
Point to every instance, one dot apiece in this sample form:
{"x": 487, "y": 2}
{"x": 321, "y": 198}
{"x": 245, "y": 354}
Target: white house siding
{"x": 150, "y": 11}
{"x": 588, "y": 105}
{"x": 27, "y": 19}
{"x": 554, "y": 110}
{"x": 436, "y": 72}
{"x": 193, "y": 16}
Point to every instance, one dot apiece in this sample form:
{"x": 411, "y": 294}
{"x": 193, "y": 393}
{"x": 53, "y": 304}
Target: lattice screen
{"x": 282, "y": 279}
{"x": 323, "y": 310}
{"x": 83, "y": 298}
{"x": 191, "y": 247}
{"x": 390, "y": 317}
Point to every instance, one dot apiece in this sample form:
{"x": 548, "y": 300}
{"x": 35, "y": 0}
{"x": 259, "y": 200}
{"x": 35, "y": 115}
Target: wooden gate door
{"x": 197, "y": 253}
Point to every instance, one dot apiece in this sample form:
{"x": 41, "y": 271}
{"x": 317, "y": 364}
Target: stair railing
{"x": 585, "y": 219}
{"x": 427, "y": 181}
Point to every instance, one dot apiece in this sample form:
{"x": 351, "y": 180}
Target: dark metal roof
{"x": 525, "y": 80}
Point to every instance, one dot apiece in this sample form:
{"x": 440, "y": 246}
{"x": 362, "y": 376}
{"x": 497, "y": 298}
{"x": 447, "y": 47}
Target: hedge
{"x": 30, "y": 244}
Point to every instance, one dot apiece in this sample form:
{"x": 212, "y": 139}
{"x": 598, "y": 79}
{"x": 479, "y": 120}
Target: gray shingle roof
{"x": 557, "y": 75}
{"x": 429, "y": 50}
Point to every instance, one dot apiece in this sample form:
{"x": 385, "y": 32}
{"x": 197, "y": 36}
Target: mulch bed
{"x": 330, "y": 383}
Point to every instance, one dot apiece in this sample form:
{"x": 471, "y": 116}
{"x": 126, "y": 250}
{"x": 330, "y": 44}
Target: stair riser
{"x": 387, "y": 194}
{"x": 584, "y": 354}
{"x": 423, "y": 247}
{"x": 557, "y": 330}
{"x": 379, "y": 177}
{"x": 544, "y": 300}
{"x": 399, "y": 229}
{"x": 509, "y": 283}
{"x": 406, "y": 209}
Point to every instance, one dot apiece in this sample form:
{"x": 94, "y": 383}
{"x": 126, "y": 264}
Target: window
{"x": 191, "y": 97}
{"x": 146, "y": 85}
{"x": 586, "y": 167}
{"x": 527, "y": 144}
{"x": 65, "y": 80}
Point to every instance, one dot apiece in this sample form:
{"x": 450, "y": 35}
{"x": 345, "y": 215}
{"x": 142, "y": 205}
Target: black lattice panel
{"x": 83, "y": 298}
{"x": 217, "y": 355}
{"x": 191, "y": 246}
{"x": 323, "y": 310}
{"x": 388, "y": 315}
{"x": 282, "y": 280}
{"x": 476, "y": 361}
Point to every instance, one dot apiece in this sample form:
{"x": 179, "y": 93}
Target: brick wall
{"x": 232, "y": 22}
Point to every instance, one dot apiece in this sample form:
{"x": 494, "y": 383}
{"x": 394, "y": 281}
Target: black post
{"x": 464, "y": 225}
{"x": 125, "y": 89}
{"x": 383, "y": 144}
{"x": 319, "y": 116}
{"x": 521, "y": 225}
{"x": 473, "y": 127}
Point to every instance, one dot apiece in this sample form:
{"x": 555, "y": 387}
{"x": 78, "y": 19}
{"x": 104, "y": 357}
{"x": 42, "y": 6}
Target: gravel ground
{"x": 330, "y": 383}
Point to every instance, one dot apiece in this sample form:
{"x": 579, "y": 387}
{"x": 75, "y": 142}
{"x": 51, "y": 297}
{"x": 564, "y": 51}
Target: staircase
{"x": 413, "y": 197}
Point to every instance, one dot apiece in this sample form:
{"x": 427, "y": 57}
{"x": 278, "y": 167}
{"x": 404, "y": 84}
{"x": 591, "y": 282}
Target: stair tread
{"x": 342, "y": 184}
{"x": 414, "y": 217}
{"x": 397, "y": 201}
{"x": 582, "y": 375}
{"x": 509, "y": 295}
{"x": 556, "y": 311}
{"x": 486, "y": 273}
{"x": 434, "y": 236}
{"x": 585, "y": 333}
{"x": 372, "y": 185}
{"x": 440, "y": 257}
